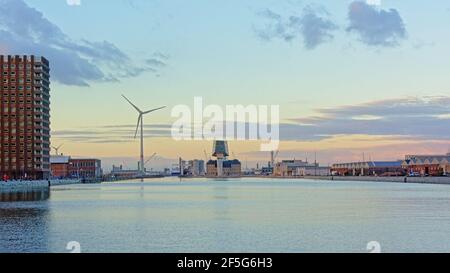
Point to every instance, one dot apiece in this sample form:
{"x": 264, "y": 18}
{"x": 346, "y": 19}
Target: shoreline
{"x": 432, "y": 180}
{"x": 394, "y": 179}
{"x": 34, "y": 185}
{"x": 27, "y": 186}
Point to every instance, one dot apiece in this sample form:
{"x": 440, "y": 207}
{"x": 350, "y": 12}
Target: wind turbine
{"x": 141, "y": 122}
{"x": 57, "y": 148}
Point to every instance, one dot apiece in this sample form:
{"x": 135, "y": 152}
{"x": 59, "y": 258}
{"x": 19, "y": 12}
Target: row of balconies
{"x": 21, "y": 154}
{"x": 42, "y": 153}
{"x": 22, "y": 106}
{"x": 25, "y": 109}
{"x": 37, "y": 132}
{"x": 22, "y": 141}
{"x": 13, "y": 127}
{"x": 28, "y": 86}
{"x": 21, "y": 79}
{"x": 19, "y": 95}
{"x": 12, "y": 101}
{"x": 13, "y": 94}
{"x": 13, "y": 166}
{"x": 20, "y": 64}
{"x": 38, "y": 114}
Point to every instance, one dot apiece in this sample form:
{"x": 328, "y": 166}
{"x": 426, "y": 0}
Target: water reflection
{"x": 201, "y": 215}
{"x": 34, "y": 195}
{"x": 24, "y": 225}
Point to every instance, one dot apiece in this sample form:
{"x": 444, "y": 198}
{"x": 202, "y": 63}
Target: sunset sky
{"x": 350, "y": 77}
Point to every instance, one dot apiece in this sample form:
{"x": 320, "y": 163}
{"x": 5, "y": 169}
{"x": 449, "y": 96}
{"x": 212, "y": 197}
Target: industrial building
{"x": 25, "y": 117}
{"x": 196, "y": 167}
{"x": 118, "y": 172}
{"x": 369, "y": 168}
{"x": 60, "y": 166}
{"x": 292, "y": 168}
{"x": 427, "y": 165}
{"x": 67, "y": 167}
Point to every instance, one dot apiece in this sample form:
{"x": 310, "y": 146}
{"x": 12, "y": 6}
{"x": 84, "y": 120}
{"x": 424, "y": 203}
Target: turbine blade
{"x": 153, "y": 110}
{"x": 135, "y": 107}
{"x": 137, "y": 126}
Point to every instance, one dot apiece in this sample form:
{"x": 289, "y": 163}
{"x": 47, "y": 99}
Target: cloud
{"x": 313, "y": 26}
{"x": 409, "y": 118}
{"x": 73, "y": 2}
{"x": 110, "y": 133}
{"x": 375, "y": 26}
{"x": 155, "y": 62}
{"x": 374, "y": 2}
{"x": 354, "y": 148}
{"x": 25, "y": 30}
{"x": 416, "y": 117}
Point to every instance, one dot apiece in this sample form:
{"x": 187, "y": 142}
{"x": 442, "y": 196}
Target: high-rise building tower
{"x": 220, "y": 149}
{"x": 25, "y": 117}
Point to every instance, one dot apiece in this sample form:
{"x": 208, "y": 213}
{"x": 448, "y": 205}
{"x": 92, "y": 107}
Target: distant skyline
{"x": 351, "y": 77}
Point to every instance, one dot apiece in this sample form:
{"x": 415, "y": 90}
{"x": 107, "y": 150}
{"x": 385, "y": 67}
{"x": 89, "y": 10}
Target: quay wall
{"x": 395, "y": 179}
{"x": 17, "y": 186}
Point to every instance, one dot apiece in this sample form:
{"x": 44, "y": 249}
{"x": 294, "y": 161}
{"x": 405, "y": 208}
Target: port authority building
{"x": 222, "y": 167}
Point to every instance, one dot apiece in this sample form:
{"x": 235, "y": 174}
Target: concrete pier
{"x": 394, "y": 179}
{"x": 23, "y": 186}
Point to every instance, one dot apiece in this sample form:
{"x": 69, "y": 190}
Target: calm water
{"x": 242, "y": 215}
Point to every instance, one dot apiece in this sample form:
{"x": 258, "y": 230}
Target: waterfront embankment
{"x": 395, "y": 179}
{"x": 23, "y": 186}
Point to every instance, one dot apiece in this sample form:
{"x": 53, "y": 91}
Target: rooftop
{"x": 59, "y": 159}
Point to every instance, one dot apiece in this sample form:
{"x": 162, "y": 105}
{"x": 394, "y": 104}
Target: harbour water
{"x": 236, "y": 215}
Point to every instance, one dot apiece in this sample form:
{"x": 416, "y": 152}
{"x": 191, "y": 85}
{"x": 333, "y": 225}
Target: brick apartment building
{"x": 25, "y": 117}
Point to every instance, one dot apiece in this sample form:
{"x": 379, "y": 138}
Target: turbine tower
{"x": 141, "y": 122}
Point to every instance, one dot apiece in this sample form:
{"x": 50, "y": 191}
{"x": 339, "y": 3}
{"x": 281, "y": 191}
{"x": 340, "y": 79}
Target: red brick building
{"x": 66, "y": 167}
{"x": 427, "y": 165}
{"x": 60, "y": 166}
{"x": 24, "y": 117}
{"x": 85, "y": 168}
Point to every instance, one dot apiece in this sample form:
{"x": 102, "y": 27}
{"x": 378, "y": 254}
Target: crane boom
{"x": 206, "y": 155}
{"x": 151, "y": 157}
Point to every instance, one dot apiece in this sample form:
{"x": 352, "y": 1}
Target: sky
{"x": 350, "y": 77}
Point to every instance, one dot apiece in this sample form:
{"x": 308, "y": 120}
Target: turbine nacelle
{"x": 141, "y": 113}
{"x": 57, "y": 148}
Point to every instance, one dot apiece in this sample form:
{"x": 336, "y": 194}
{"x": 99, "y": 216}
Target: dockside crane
{"x": 150, "y": 158}
{"x": 273, "y": 157}
{"x": 206, "y": 156}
